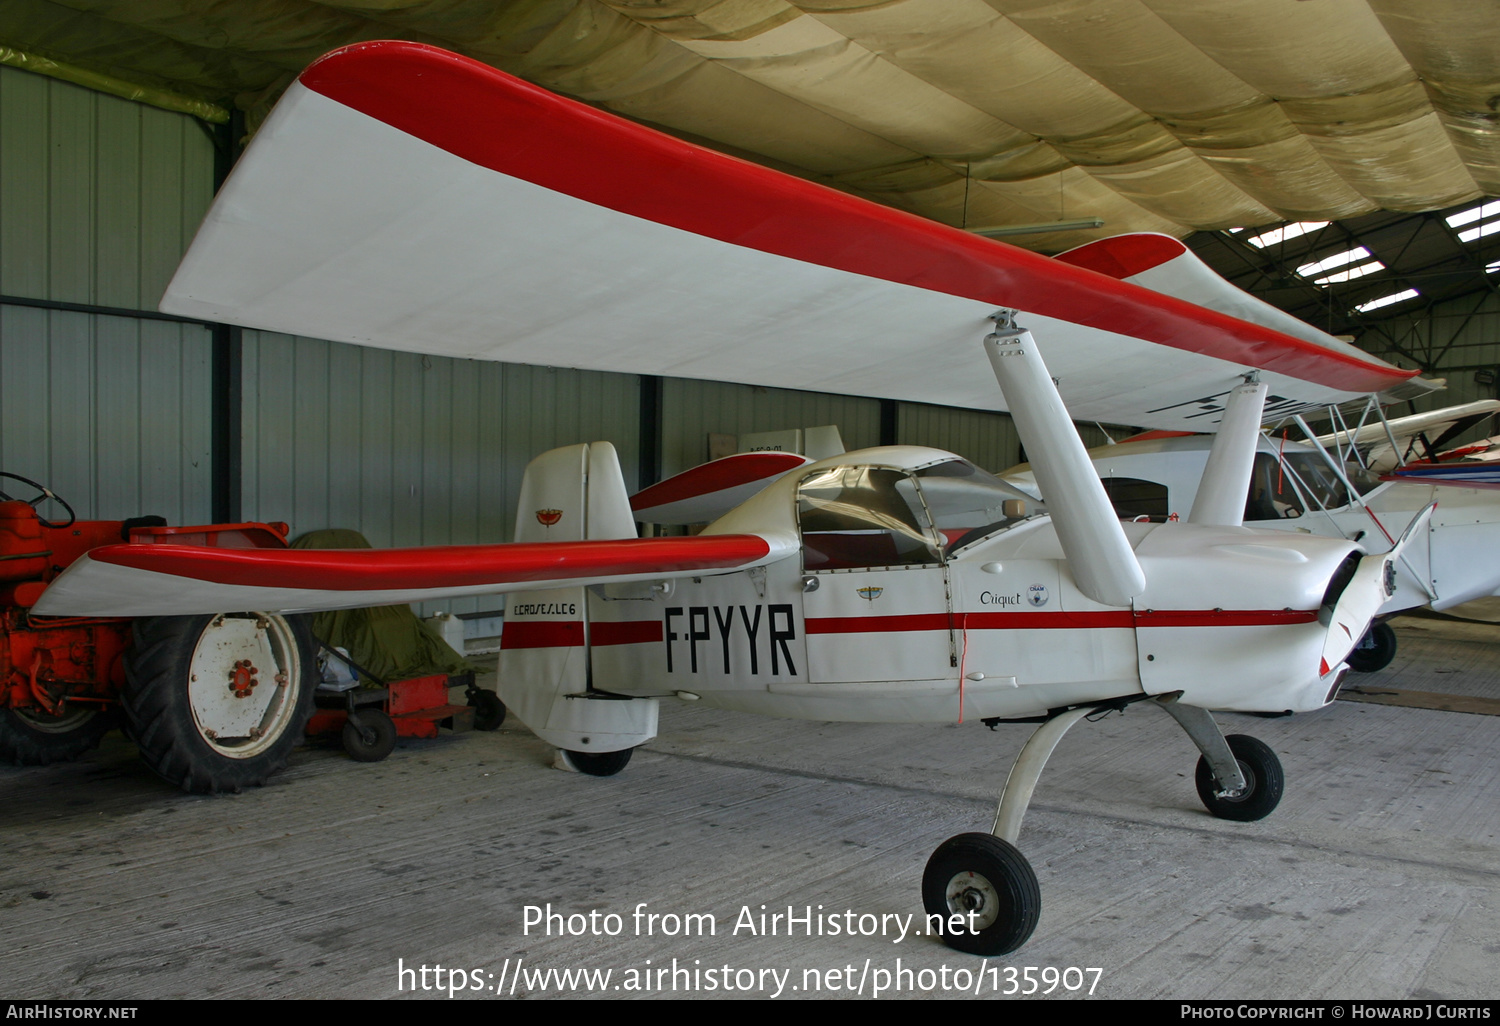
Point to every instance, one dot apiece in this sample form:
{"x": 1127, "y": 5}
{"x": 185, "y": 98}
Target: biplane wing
{"x": 405, "y": 197}
{"x": 1419, "y": 436}
{"x": 162, "y": 580}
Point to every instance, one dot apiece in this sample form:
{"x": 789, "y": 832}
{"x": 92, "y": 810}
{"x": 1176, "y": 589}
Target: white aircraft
{"x": 1388, "y": 445}
{"x": 404, "y": 197}
{"x": 1302, "y": 488}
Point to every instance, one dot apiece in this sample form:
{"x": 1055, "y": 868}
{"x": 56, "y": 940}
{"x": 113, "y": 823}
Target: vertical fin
{"x": 568, "y": 494}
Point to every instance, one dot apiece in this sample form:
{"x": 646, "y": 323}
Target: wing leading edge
{"x": 171, "y": 580}
{"x": 404, "y": 197}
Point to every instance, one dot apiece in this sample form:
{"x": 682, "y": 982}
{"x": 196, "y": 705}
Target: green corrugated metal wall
{"x": 98, "y": 198}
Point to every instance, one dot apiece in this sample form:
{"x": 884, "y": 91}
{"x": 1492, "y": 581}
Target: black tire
{"x": 489, "y": 711}
{"x": 185, "y": 679}
{"x": 986, "y": 876}
{"x": 32, "y": 738}
{"x": 599, "y": 764}
{"x": 1263, "y": 781}
{"x": 1375, "y": 650}
{"x": 373, "y": 739}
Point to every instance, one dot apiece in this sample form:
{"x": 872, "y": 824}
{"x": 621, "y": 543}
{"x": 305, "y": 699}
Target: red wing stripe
{"x": 542, "y": 634}
{"x": 628, "y": 632}
{"x": 438, "y": 566}
{"x": 495, "y": 121}
{"x": 716, "y": 477}
{"x": 1124, "y": 256}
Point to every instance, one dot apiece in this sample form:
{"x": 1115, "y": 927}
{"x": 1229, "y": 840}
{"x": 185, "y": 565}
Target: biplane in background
{"x": 404, "y": 197}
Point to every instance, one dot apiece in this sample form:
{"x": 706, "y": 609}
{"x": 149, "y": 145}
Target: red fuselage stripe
{"x": 628, "y": 632}
{"x": 545, "y": 634}
{"x": 1023, "y": 621}
{"x": 495, "y": 121}
{"x": 542, "y": 634}
{"x": 438, "y": 566}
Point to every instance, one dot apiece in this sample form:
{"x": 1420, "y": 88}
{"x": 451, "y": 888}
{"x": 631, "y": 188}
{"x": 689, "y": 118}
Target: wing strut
{"x": 1226, "y": 478}
{"x": 1099, "y": 556}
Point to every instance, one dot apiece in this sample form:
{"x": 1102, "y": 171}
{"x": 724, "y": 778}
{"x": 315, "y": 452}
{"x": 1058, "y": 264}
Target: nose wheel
{"x": 984, "y": 892}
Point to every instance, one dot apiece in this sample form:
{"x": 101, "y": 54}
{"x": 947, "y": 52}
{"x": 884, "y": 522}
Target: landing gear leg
{"x": 984, "y": 878}
{"x": 1239, "y": 777}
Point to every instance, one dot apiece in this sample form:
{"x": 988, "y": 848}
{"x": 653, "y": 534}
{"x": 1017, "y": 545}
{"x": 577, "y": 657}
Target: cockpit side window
{"x": 1272, "y": 494}
{"x": 1134, "y": 498}
{"x": 856, "y": 518}
{"x": 968, "y": 504}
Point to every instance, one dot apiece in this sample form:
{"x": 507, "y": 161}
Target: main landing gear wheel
{"x": 1375, "y": 650}
{"x": 217, "y": 703}
{"x": 46, "y": 493}
{"x": 988, "y": 882}
{"x": 372, "y": 739}
{"x": 32, "y": 738}
{"x": 598, "y": 764}
{"x": 1263, "y": 782}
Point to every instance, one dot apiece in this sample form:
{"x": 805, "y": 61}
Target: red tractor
{"x": 215, "y": 703}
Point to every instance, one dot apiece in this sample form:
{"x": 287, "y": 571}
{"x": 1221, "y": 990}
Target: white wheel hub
{"x": 240, "y": 683}
{"x": 968, "y": 892}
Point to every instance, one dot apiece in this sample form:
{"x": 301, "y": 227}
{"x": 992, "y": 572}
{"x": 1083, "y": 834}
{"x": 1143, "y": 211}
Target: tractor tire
{"x": 217, "y": 703}
{"x": 32, "y": 738}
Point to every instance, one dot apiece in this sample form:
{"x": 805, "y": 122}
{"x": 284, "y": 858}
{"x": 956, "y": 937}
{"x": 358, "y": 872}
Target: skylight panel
{"x": 1290, "y": 231}
{"x": 1391, "y": 300}
{"x": 1349, "y": 274}
{"x": 1480, "y": 213}
{"x": 1479, "y": 231}
{"x": 1337, "y": 260}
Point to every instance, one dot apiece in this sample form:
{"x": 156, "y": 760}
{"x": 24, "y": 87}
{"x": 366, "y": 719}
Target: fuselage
{"x": 1294, "y": 489}
{"x": 926, "y": 590}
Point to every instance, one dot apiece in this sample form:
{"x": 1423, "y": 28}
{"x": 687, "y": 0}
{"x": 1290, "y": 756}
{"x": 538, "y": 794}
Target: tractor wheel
{"x": 32, "y": 738}
{"x": 217, "y": 703}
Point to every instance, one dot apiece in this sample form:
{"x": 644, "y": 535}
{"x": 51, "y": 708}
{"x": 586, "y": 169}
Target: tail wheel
{"x": 1264, "y": 781}
{"x": 990, "y": 885}
{"x": 598, "y": 764}
{"x": 32, "y": 738}
{"x": 217, "y": 703}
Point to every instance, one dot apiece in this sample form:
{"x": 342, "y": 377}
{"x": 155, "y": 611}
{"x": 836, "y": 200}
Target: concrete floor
{"x": 1378, "y": 876}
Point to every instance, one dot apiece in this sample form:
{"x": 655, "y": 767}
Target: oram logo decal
{"x": 548, "y": 517}
{"x": 870, "y": 594}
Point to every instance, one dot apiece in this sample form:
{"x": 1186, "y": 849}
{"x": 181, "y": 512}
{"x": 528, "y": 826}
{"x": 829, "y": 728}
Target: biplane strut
{"x": 980, "y": 884}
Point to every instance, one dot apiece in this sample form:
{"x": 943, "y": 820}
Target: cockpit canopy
{"x": 857, "y": 517}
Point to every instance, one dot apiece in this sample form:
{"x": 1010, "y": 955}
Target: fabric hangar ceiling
{"x": 1175, "y": 116}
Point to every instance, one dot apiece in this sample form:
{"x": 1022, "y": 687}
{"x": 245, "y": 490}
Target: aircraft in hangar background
{"x": 403, "y": 197}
